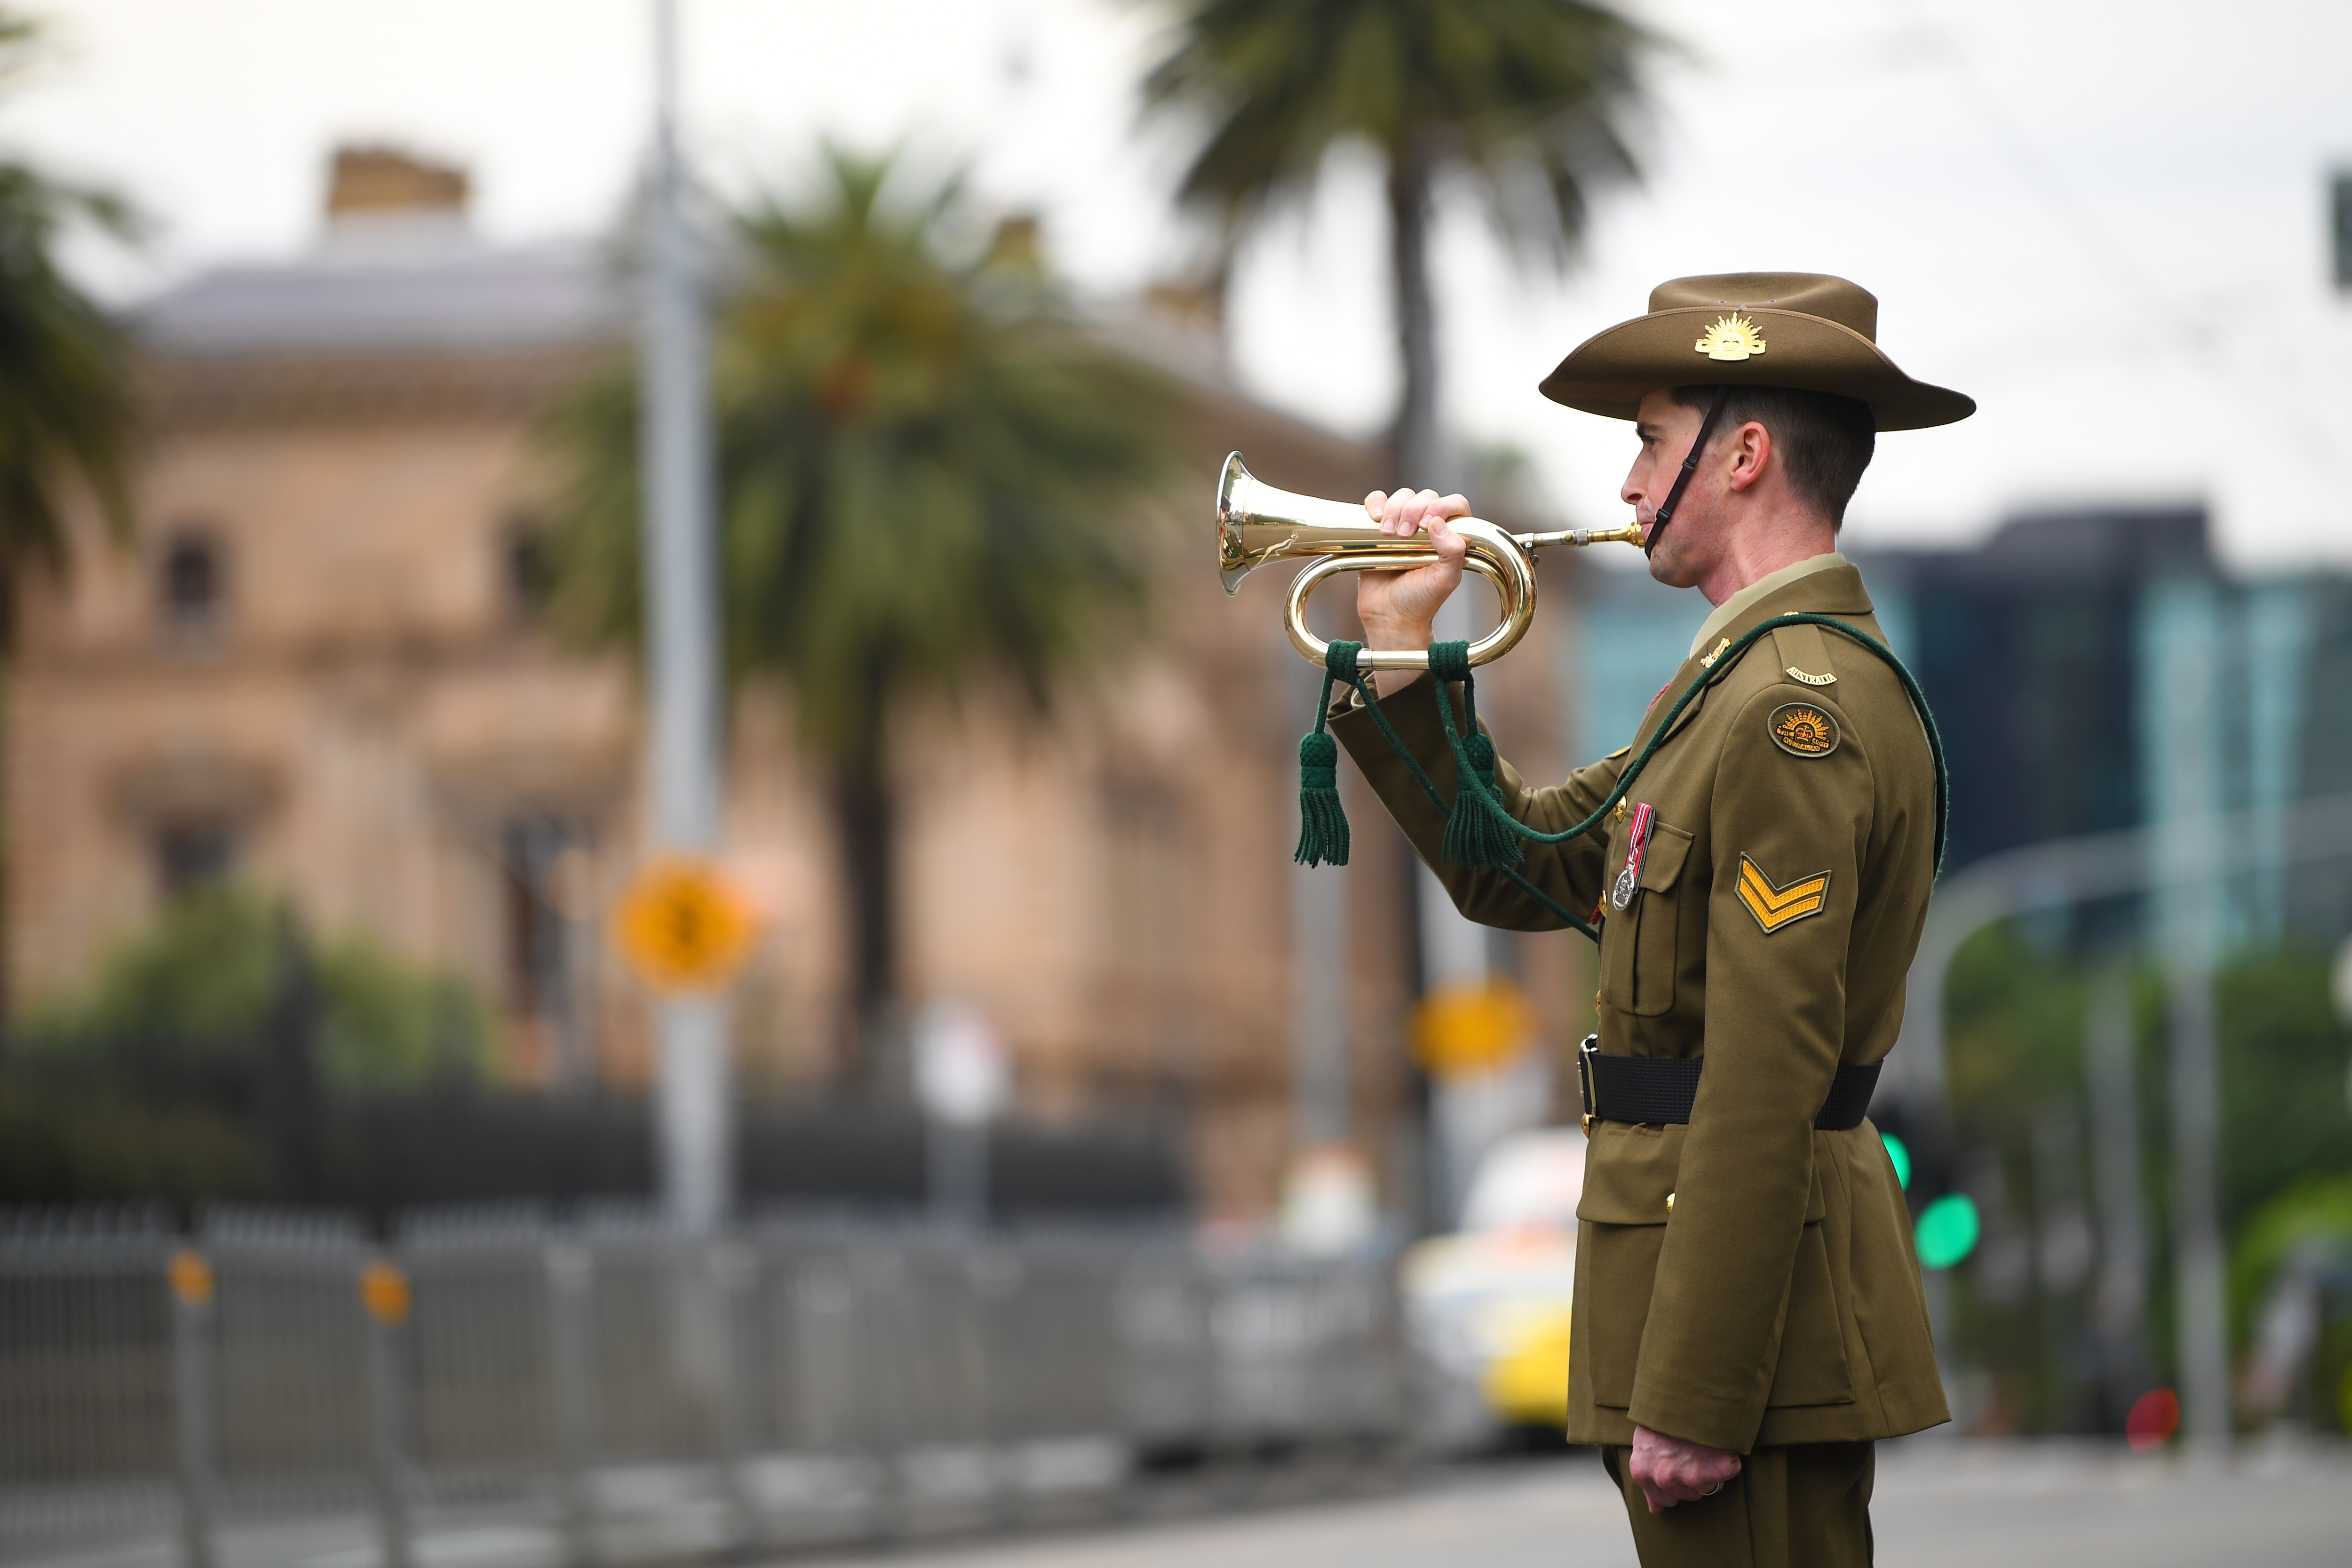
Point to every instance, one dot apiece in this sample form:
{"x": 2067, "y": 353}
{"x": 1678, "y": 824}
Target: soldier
{"x": 1748, "y": 1315}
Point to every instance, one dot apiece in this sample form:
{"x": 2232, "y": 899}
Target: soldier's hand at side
{"x": 1669, "y": 1471}
{"x": 1399, "y": 609}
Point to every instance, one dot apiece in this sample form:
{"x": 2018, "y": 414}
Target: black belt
{"x": 1660, "y": 1090}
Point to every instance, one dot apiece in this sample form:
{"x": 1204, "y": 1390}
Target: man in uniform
{"x": 1748, "y": 1315}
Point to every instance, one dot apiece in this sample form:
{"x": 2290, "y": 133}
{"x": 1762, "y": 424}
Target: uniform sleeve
{"x": 1789, "y": 827}
{"x": 1569, "y": 873}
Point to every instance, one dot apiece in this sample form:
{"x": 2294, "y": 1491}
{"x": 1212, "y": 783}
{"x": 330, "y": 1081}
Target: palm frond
{"x": 65, "y": 402}
{"x": 1528, "y": 97}
{"x": 928, "y": 473}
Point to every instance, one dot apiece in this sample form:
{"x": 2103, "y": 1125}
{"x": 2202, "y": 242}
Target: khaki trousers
{"x": 1803, "y": 1506}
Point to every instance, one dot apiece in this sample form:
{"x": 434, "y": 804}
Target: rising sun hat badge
{"x": 1733, "y": 337}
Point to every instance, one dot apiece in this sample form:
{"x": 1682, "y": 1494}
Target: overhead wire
{"x": 2207, "y": 350}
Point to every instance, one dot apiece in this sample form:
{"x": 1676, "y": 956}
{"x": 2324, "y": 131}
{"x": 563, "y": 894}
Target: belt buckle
{"x": 1585, "y": 1093}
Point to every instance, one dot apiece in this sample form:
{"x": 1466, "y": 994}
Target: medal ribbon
{"x": 1644, "y": 816}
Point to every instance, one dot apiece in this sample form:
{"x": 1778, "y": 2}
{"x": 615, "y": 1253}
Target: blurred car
{"x": 1487, "y": 1306}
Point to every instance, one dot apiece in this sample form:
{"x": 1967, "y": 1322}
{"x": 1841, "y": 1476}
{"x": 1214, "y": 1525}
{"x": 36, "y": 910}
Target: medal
{"x": 1631, "y": 877}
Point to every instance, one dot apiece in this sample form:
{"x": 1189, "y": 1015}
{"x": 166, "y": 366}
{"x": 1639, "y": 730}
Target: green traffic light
{"x": 1948, "y": 1231}
{"x": 1900, "y": 1153}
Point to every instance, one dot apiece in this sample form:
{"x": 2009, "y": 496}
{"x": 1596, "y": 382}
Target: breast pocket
{"x": 1638, "y": 947}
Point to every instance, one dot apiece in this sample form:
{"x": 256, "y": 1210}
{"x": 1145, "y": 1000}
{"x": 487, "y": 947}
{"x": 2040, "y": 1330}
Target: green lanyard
{"x": 1480, "y": 831}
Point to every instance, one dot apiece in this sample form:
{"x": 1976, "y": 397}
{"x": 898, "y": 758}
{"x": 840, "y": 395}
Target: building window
{"x": 193, "y": 584}
{"x": 526, "y": 573}
{"x": 544, "y": 869}
{"x": 193, "y": 857}
{"x": 528, "y": 849}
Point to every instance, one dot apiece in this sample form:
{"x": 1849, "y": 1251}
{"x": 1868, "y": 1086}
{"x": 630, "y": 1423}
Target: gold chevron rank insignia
{"x": 1775, "y": 906}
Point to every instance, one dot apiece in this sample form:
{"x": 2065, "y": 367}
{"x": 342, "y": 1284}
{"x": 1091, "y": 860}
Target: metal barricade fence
{"x": 606, "y": 1392}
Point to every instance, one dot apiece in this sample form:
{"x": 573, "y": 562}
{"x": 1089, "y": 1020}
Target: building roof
{"x": 401, "y": 286}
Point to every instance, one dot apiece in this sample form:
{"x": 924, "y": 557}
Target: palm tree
{"x": 927, "y": 478}
{"x": 65, "y": 405}
{"x": 1525, "y": 97}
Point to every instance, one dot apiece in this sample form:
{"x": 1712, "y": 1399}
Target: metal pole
{"x": 682, "y": 744}
{"x": 1455, "y": 950}
{"x": 194, "y": 1384}
{"x": 734, "y": 1270}
{"x": 955, "y": 1171}
{"x": 571, "y": 1303}
{"x": 384, "y": 1293}
{"x": 2182, "y": 625}
{"x": 2204, "y": 1353}
{"x": 1318, "y": 976}
{"x": 2122, "y": 1287}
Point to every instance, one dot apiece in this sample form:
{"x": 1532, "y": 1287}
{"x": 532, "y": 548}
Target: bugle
{"x": 1257, "y": 523}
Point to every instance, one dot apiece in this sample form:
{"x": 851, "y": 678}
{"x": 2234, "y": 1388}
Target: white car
{"x": 1488, "y": 1305}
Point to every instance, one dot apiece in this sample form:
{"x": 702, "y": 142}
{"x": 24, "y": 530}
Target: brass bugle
{"x": 1257, "y": 523}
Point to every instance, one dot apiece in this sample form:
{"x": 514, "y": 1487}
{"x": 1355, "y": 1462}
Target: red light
{"x": 2154, "y": 1417}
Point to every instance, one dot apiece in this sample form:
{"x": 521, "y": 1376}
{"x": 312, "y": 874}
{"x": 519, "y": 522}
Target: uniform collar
{"x": 1826, "y": 584}
{"x": 1732, "y": 608}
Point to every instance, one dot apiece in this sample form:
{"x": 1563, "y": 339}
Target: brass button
{"x": 1670, "y": 1203}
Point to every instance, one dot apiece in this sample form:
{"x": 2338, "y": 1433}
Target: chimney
{"x": 369, "y": 182}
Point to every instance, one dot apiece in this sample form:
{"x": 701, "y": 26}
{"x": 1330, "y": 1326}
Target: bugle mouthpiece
{"x": 1578, "y": 538}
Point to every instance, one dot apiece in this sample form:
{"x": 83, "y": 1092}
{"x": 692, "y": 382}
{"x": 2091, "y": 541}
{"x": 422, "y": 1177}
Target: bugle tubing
{"x": 1257, "y": 523}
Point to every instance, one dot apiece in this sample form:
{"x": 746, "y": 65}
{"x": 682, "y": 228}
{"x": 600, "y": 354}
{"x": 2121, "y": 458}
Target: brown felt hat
{"x": 1803, "y": 330}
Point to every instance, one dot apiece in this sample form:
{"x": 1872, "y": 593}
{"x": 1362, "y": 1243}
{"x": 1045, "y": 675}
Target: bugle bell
{"x": 1257, "y": 523}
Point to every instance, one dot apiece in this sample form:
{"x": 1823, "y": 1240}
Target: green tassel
{"x": 1322, "y": 819}
{"x": 1474, "y": 835}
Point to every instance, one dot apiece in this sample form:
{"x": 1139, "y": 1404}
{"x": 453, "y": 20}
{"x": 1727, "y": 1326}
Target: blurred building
{"x": 319, "y": 670}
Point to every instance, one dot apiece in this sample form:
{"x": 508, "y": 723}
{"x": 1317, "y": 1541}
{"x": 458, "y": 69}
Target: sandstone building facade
{"x": 317, "y": 669}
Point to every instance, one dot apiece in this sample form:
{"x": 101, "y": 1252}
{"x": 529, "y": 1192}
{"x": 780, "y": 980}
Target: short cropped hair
{"x": 1825, "y": 439}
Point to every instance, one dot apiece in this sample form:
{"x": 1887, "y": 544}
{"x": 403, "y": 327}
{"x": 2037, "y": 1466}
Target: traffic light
{"x": 2341, "y": 227}
{"x": 1946, "y": 1223}
{"x": 1948, "y": 1230}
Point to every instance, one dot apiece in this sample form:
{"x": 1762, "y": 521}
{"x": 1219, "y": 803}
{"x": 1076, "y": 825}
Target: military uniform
{"x": 1745, "y": 1280}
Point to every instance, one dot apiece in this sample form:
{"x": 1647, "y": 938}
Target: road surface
{"x": 1938, "y": 1504}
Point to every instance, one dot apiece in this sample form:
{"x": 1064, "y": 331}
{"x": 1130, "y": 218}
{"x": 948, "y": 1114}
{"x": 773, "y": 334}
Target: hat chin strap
{"x": 1666, "y": 513}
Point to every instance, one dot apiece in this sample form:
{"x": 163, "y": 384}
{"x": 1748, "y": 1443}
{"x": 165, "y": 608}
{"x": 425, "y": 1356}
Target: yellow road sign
{"x": 1462, "y": 1031}
{"x": 682, "y": 928}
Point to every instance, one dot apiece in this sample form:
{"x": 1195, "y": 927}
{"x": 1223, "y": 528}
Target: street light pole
{"x": 682, "y": 746}
{"x": 2182, "y": 624}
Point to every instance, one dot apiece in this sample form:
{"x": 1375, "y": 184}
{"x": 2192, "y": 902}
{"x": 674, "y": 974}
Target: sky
{"x": 2107, "y": 224}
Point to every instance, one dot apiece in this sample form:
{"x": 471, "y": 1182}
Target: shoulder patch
{"x": 1802, "y": 730}
{"x": 1622, "y": 750}
{"x": 1775, "y": 906}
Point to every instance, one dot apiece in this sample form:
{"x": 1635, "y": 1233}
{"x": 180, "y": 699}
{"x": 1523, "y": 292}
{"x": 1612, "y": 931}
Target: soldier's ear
{"x": 1750, "y": 450}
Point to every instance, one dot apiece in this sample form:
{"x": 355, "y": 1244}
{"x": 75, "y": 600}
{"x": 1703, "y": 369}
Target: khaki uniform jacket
{"x": 1777, "y": 912}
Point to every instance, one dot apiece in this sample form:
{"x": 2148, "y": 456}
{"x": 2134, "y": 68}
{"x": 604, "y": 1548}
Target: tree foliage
{"x": 1529, "y": 97}
{"x": 928, "y": 473}
{"x": 65, "y": 405}
{"x": 207, "y": 1052}
{"x": 181, "y": 1009}
{"x": 1526, "y": 98}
